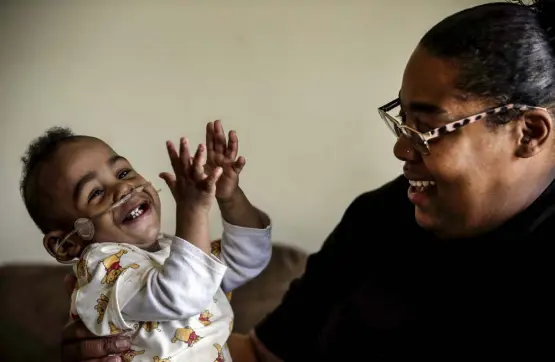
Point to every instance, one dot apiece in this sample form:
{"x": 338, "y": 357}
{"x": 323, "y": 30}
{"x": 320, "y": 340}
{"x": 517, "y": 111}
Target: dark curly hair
{"x": 39, "y": 152}
{"x": 504, "y": 51}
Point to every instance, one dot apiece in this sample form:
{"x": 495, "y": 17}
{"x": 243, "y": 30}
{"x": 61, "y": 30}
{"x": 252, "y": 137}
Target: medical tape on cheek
{"x": 84, "y": 227}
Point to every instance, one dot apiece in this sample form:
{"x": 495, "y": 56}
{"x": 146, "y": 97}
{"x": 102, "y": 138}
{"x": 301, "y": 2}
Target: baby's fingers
{"x": 174, "y": 157}
{"x": 198, "y": 163}
{"x": 170, "y": 181}
{"x": 212, "y": 178}
{"x": 184, "y": 156}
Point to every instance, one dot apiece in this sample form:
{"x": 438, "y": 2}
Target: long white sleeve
{"x": 119, "y": 285}
{"x": 182, "y": 288}
{"x": 246, "y": 252}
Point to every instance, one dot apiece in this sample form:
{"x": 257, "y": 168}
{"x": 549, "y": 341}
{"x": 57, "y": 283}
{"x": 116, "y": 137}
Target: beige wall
{"x": 299, "y": 80}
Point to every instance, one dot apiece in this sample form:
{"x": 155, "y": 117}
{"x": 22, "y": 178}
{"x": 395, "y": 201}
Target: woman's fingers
{"x": 79, "y": 344}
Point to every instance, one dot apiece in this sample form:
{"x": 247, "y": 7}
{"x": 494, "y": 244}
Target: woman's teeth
{"x": 421, "y": 185}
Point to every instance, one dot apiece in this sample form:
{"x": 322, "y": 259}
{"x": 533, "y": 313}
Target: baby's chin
{"x": 147, "y": 239}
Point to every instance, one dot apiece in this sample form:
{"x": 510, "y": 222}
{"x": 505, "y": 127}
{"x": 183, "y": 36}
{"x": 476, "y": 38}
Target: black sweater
{"x": 381, "y": 288}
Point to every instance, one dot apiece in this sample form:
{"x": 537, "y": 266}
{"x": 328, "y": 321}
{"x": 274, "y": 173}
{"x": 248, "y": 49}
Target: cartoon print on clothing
{"x": 148, "y": 326}
{"x": 204, "y": 318}
{"x": 220, "y": 357}
{"x": 216, "y": 248}
{"x": 130, "y": 355}
{"x": 114, "y": 268}
{"x": 187, "y": 335}
{"x": 114, "y": 329}
{"x": 101, "y": 307}
{"x": 82, "y": 271}
{"x": 158, "y": 359}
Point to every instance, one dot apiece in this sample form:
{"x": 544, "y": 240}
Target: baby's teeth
{"x": 136, "y": 213}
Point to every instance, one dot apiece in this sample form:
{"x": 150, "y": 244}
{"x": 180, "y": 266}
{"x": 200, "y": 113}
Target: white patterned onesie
{"x": 172, "y": 302}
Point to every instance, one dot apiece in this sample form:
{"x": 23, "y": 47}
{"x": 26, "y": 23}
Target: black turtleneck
{"x": 382, "y": 288}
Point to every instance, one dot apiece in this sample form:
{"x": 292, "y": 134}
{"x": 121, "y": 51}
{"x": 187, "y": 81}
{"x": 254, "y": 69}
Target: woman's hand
{"x": 80, "y": 345}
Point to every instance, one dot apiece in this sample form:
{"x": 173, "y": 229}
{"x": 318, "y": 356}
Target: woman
{"x": 448, "y": 263}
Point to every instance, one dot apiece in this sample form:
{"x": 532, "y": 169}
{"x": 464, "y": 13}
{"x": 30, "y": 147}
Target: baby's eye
{"x": 123, "y": 173}
{"x": 94, "y": 194}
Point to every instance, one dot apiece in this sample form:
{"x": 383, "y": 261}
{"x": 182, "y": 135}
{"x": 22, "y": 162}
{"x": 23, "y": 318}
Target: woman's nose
{"x": 404, "y": 150}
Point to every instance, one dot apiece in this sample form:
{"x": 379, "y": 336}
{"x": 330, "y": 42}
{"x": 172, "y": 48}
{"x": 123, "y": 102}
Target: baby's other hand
{"x": 222, "y": 153}
{"x": 191, "y": 187}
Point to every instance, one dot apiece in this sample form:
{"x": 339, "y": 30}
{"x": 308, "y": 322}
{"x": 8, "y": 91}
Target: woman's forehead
{"x": 427, "y": 79}
{"x": 430, "y": 83}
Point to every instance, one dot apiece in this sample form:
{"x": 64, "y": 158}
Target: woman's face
{"x": 479, "y": 178}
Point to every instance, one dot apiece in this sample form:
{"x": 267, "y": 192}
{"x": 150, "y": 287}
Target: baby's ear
{"x": 67, "y": 251}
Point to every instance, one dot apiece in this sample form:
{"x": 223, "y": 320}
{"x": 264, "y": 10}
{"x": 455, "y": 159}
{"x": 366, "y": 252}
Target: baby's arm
{"x": 123, "y": 286}
{"x": 182, "y": 288}
{"x": 246, "y": 252}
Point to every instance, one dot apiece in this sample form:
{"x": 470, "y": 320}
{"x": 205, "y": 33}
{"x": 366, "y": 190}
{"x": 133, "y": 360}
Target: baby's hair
{"x": 38, "y": 153}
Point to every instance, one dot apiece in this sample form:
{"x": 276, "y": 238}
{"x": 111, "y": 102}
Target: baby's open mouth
{"x": 137, "y": 212}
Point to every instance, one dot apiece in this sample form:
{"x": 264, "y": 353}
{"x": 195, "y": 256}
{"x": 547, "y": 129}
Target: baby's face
{"x": 86, "y": 177}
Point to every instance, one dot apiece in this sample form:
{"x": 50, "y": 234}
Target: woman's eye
{"x": 123, "y": 173}
{"x": 94, "y": 194}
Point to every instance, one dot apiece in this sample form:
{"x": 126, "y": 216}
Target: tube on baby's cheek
{"x": 84, "y": 227}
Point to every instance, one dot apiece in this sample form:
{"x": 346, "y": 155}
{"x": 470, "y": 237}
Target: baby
{"x": 167, "y": 291}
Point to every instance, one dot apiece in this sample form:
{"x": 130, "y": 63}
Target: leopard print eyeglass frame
{"x": 420, "y": 140}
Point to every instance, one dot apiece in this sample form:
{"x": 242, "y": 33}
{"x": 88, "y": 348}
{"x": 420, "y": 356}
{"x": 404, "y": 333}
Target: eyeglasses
{"x": 420, "y": 140}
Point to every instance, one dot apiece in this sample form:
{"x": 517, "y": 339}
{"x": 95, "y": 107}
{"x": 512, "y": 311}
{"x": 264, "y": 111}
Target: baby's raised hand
{"x": 191, "y": 187}
{"x": 222, "y": 153}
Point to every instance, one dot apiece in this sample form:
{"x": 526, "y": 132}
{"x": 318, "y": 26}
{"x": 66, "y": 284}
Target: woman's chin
{"x": 425, "y": 219}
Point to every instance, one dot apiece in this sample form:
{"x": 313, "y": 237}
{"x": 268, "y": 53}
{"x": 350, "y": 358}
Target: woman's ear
{"x": 534, "y": 132}
{"x": 67, "y": 251}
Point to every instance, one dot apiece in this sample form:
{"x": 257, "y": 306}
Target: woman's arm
{"x": 247, "y": 348}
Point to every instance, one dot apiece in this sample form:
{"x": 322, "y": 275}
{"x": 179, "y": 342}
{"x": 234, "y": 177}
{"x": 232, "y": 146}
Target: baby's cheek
{"x": 107, "y": 232}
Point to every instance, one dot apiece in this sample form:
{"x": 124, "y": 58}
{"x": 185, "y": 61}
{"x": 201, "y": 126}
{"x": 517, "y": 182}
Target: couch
{"x": 34, "y": 304}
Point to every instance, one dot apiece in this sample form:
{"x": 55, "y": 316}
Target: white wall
{"x": 299, "y": 80}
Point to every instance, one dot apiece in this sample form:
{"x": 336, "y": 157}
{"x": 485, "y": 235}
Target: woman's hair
{"x": 505, "y": 52}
